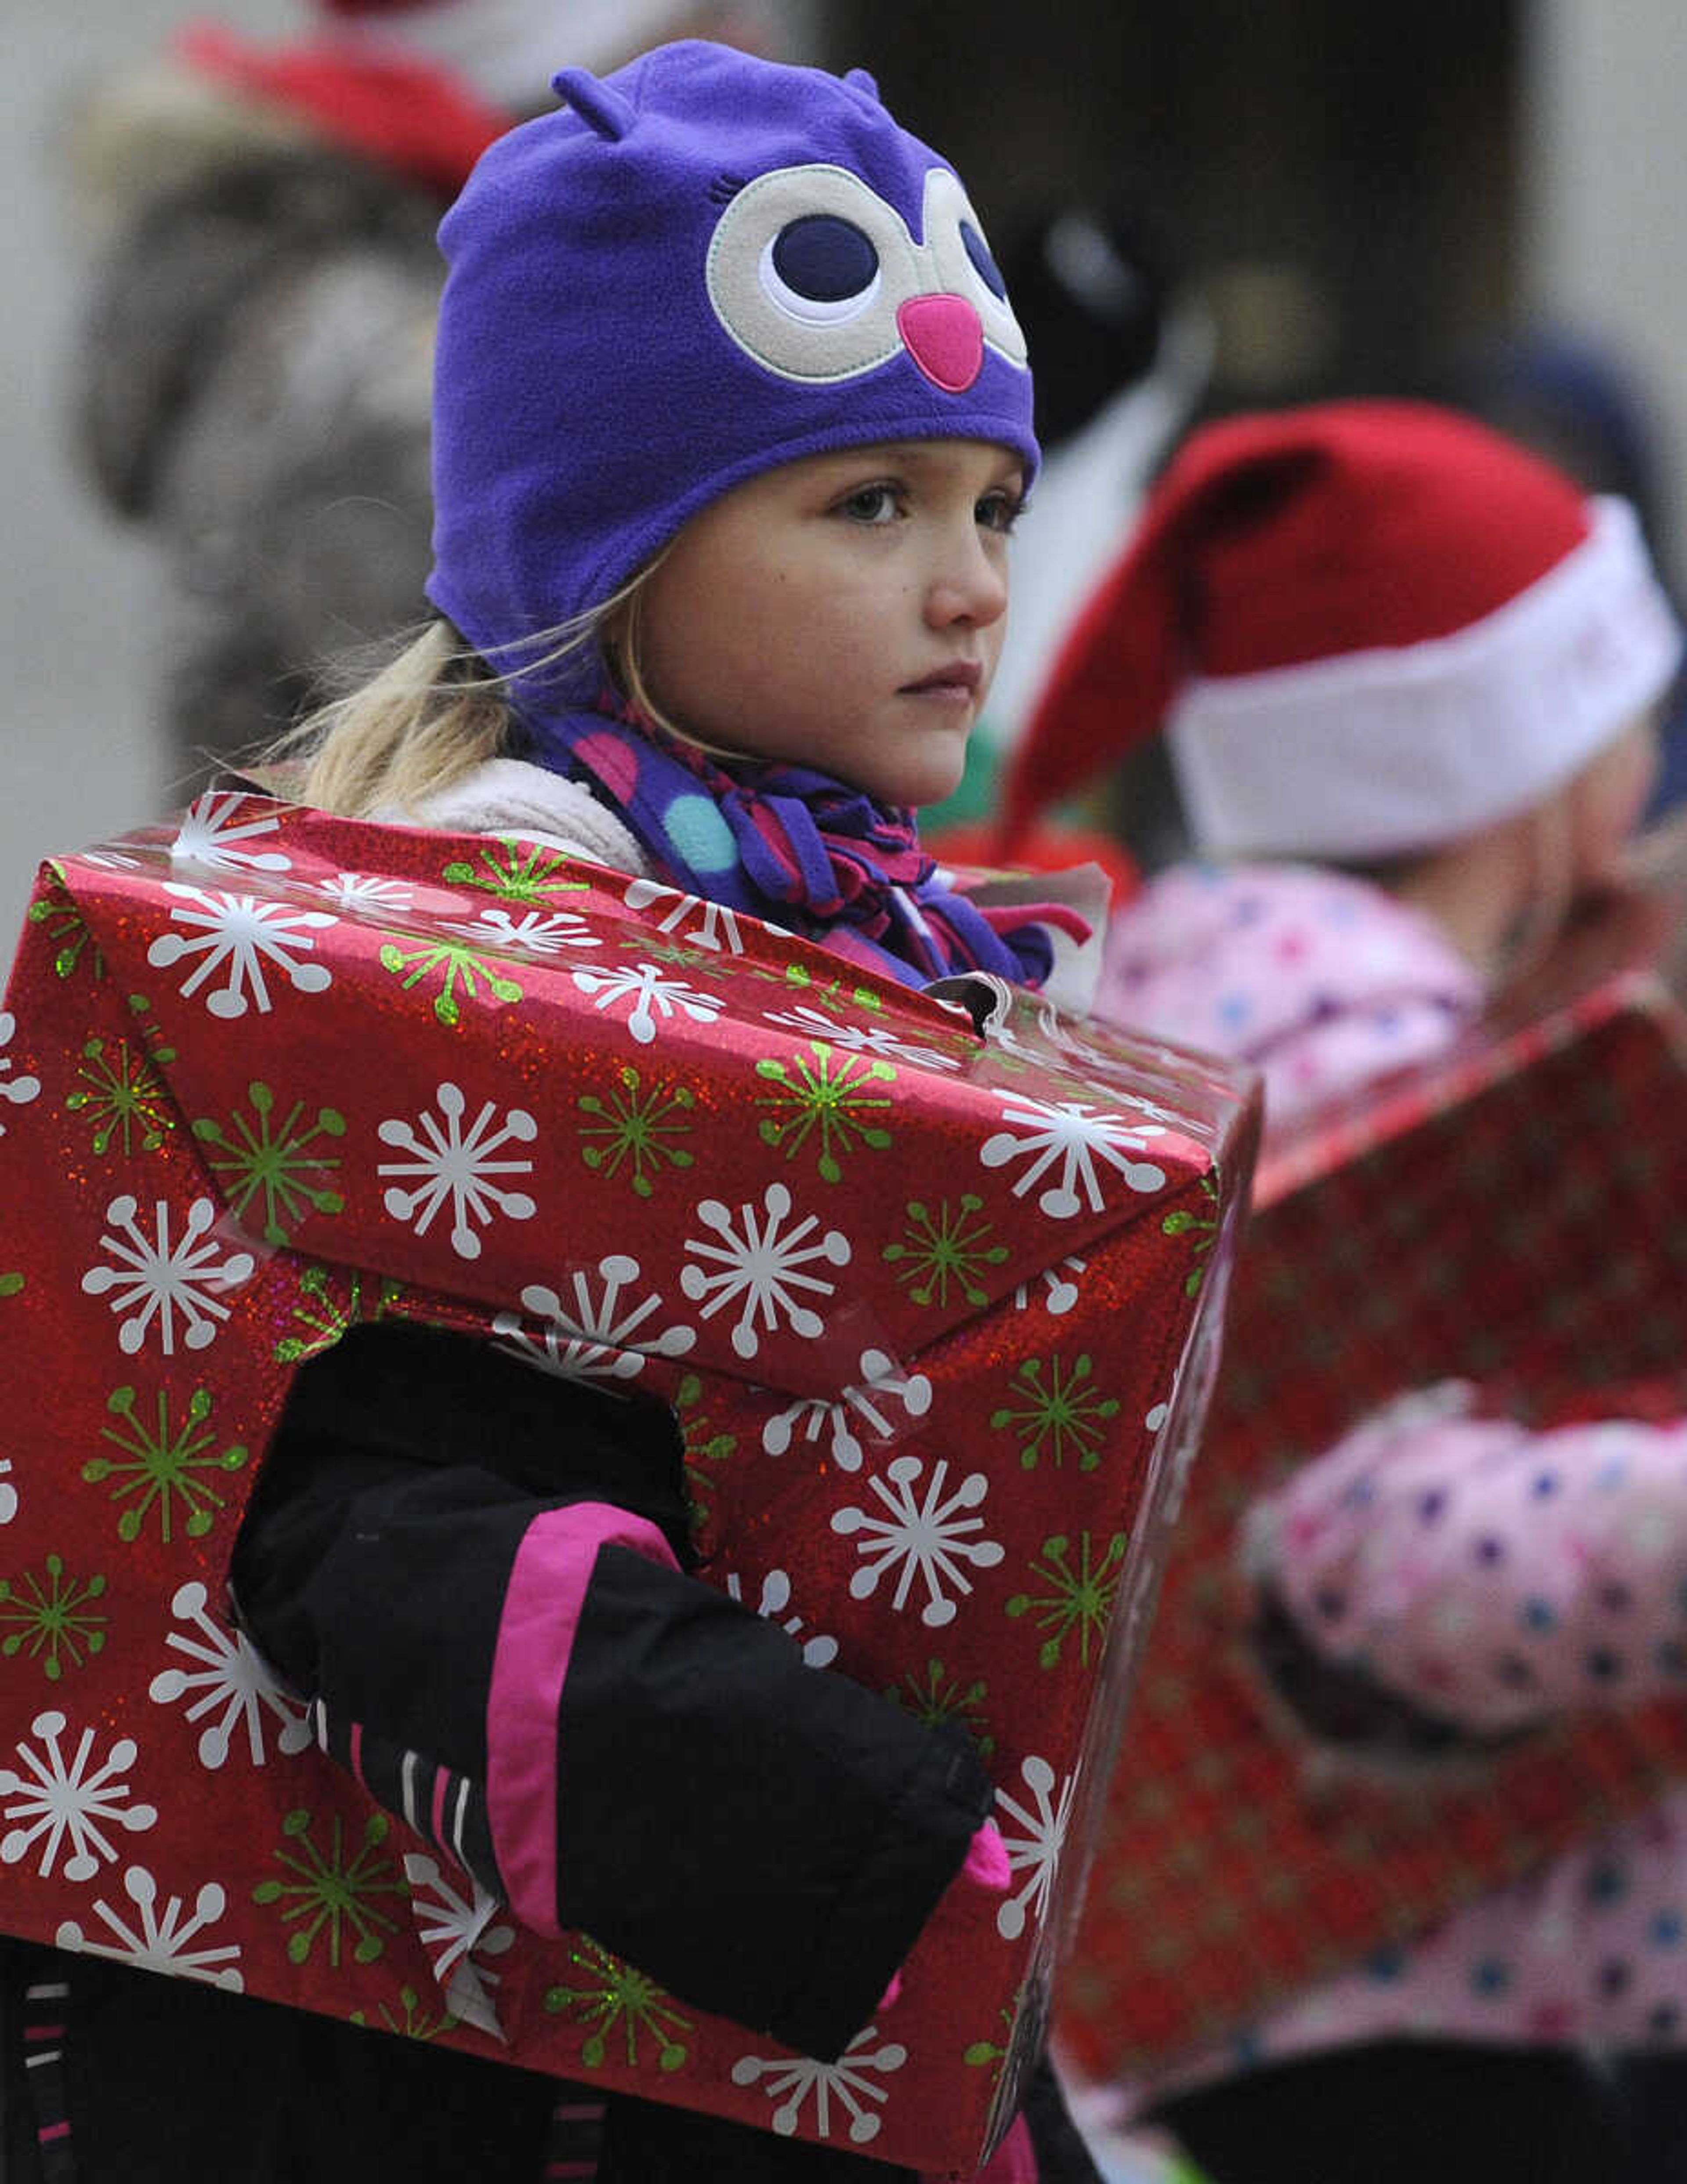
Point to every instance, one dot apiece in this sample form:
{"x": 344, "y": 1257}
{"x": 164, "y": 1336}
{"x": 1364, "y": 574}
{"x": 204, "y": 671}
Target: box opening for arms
{"x": 936, "y": 1313}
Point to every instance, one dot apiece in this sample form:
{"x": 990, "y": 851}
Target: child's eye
{"x": 999, "y": 511}
{"x": 871, "y": 504}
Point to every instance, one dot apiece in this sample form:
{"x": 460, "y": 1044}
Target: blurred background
{"x": 1361, "y": 199}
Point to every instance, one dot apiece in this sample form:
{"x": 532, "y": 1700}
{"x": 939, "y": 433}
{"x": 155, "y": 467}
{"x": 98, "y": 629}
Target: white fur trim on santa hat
{"x": 1400, "y": 748}
{"x": 510, "y": 49}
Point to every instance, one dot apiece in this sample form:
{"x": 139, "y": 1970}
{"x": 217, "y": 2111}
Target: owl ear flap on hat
{"x": 1117, "y": 671}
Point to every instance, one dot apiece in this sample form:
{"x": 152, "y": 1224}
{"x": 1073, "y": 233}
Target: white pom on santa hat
{"x": 508, "y": 50}
{"x": 1365, "y": 628}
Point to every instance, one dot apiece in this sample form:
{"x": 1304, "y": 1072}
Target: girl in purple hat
{"x": 731, "y": 421}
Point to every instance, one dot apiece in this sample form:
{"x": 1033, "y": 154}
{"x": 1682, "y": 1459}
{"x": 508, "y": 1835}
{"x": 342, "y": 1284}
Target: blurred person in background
{"x": 1571, "y": 397}
{"x": 253, "y": 377}
{"x": 1407, "y": 674}
{"x": 1122, "y": 355}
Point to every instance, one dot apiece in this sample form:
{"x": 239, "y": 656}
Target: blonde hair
{"x": 434, "y": 710}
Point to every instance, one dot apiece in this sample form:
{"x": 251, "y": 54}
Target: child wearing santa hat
{"x": 1405, "y": 676}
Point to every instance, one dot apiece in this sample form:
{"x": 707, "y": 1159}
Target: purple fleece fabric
{"x": 703, "y": 266}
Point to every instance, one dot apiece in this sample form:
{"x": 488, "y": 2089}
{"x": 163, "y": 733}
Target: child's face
{"x": 1607, "y": 799}
{"x": 844, "y": 612}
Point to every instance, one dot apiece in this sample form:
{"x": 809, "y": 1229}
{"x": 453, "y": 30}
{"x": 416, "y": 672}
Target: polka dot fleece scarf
{"x": 799, "y": 850}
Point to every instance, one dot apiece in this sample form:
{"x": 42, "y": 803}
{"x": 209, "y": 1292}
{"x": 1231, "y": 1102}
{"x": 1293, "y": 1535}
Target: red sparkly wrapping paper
{"x": 1517, "y": 1216}
{"x": 935, "y": 1312}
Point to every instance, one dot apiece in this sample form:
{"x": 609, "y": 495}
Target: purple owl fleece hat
{"x": 701, "y": 267}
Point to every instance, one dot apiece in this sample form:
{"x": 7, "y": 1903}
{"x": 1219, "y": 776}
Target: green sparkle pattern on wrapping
{"x": 933, "y": 1696}
{"x": 123, "y": 1097}
{"x": 1203, "y": 1227}
{"x": 410, "y": 2020}
{"x": 944, "y": 1247}
{"x": 637, "y": 1129}
{"x": 1056, "y": 1414}
{"x": 458, "y": 966}
{"x": 1077, "y": 1597}
{"x": 67, "y": 929}
{"x": 333, "y": 1894}
{"x": 280, "y": 1163}
{"x": 621, "y": 2005}
{"x": 323, "y": 1319}
{"x": 51, "y": 1618}
{"x": 827, "y": 1100}
{"x": 704, "y": 1442}
{"x": 515, "y": 871}
{"x": 164, "y": 1465}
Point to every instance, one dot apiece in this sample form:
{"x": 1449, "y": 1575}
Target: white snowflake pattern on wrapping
{"x": 881, "y": 1041}
{"x": 248, "y": 937}
{"x": 154, "y": 1280}
{"x": 17, "y": 1091}
{"x": 1036, "y": 1853}
{"x": 162, "y": 1942}
{"x": 229, "y": 1678}
{"x": 457, "y": 1166}
{"x": 1083, "y": 1141}
{"x": 775, "y": 1597}
{"x": 9, "y": 1493}
{"x": 648, "y": 991}
{"x": 1060, "y": 1284}
{"x": 214, "y": 832}
{"x": 595, "y": 1338}
{"x": 929, "y": 1539}
{"x": 847, "y": 2082}
{"x": 370, "y": 894}
{"x": 691, "y": 918}
{"x": 696, "y": 920}
{"x": 1094, "y": 1061}
{"x": 458, "y": 1934}
{"x": 61, "y": 1799}
{"x": 882, "y": 1385}
{"x": 534, "y": 931}
{"x": 766, "y": 1269}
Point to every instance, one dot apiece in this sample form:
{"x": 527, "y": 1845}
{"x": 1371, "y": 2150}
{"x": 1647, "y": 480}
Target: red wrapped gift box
{"x": 935, "y": 1312}
{"x": 1516, "y": 1215}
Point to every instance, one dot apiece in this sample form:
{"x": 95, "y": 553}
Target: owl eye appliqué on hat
{"x": 814, "y": 276}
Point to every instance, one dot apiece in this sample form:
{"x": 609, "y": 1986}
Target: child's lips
{"x": 956, "y": 679}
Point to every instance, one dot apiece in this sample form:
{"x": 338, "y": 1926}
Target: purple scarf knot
{"x": 795, "y": 848}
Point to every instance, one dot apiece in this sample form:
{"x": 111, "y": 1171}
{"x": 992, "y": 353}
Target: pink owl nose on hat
{"x": 945, "y": 337}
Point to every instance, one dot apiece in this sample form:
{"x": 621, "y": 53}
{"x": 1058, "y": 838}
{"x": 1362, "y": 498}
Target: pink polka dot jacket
{"x": 1440, "y": 1579}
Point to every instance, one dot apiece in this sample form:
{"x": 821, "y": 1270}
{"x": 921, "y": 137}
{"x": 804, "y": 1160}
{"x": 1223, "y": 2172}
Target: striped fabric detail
{"x": 47, "y": 2009}
{"x": 447, "y": 1807}
{"x": 543, "y": 1604}
{"x": 577, "y": 2140}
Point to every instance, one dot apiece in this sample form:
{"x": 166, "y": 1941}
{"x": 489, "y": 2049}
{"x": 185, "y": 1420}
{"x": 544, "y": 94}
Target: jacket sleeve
{"x": 473, "y": 1570}
{"x": 1491, "y": 1577}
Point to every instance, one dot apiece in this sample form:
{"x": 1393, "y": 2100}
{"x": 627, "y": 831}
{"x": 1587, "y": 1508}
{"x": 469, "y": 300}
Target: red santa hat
{"x": 1364, "y": 627}
{"x": 508, "y": 50}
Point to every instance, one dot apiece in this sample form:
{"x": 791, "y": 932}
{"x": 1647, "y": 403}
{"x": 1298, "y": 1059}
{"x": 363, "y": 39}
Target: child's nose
{"x": 969, "y": 585}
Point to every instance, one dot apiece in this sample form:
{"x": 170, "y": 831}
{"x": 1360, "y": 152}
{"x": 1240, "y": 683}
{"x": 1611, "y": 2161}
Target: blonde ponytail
{"x": 433, "y": 712}
{"x": 430, "y": 715}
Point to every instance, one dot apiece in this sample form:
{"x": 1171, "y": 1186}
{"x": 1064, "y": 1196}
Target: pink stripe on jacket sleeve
{"x": 542, "y": 1608}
